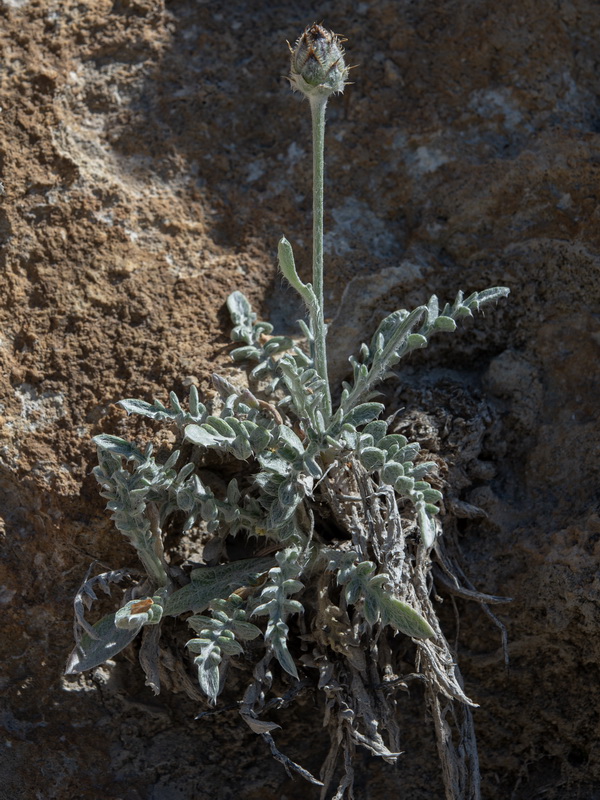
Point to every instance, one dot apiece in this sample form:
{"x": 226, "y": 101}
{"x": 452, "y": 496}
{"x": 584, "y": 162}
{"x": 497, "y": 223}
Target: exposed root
{"x": 355, "y": 662}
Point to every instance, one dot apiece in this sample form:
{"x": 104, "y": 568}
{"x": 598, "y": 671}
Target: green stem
{"x": 150, "y": 549}
{"x": 154, "y": 568}
{"x": 318, "y": 328}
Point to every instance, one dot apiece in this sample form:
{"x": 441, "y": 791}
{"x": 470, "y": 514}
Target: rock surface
{"x": 151, "y": 155}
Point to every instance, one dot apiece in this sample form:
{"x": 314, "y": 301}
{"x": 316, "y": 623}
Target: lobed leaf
{"x": 208, "y": 583}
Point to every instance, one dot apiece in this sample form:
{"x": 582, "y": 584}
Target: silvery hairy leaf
{"x": 361, "y": 414}
{"x": 207, "y": 663}
{"x": 141, "y": 611}
{"x": 274, "y": 601}
{"x": 372, "y": 458}
{"x": 159, "y": 412}
{"x": 210, "y": 583}
{"x": 377, "y": 429}
{"x": 279, "y": 513}
{"x": 360, "y": 582}
{"x": 217, "y": 637}
{"x": 118, "y": 447}
{"x": 259, "y": 346}
{"x": 289, "y": 445}
{"x": 426, "y": 525}
{"x": 242, "y": 317}
{"x": 108, "y": 640}
{"x": 240, "y": 437}
{"x": 247, "y": 353}
{"x": 444, "y": 324}
{"x": 403, "y": 618}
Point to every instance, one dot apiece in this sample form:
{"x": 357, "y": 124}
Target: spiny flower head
{"x": 317, "y": 63}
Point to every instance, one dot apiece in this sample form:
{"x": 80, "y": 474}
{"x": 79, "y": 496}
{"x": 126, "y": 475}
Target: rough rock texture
{"x": 151, "y": 155}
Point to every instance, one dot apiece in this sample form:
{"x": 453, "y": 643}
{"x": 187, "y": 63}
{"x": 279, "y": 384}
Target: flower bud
{"x": 318, "y": 67}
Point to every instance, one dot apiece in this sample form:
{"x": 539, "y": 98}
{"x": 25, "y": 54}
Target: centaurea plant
{"x": 336, "y": 510}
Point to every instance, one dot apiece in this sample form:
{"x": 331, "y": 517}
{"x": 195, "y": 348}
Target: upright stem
{"x": 318, "y": 328}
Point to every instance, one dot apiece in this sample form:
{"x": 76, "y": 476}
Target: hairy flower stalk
{"x": 318, "y": 71}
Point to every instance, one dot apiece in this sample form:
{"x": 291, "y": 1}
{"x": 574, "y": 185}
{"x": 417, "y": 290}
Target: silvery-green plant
{"x": 338, "y": 508}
